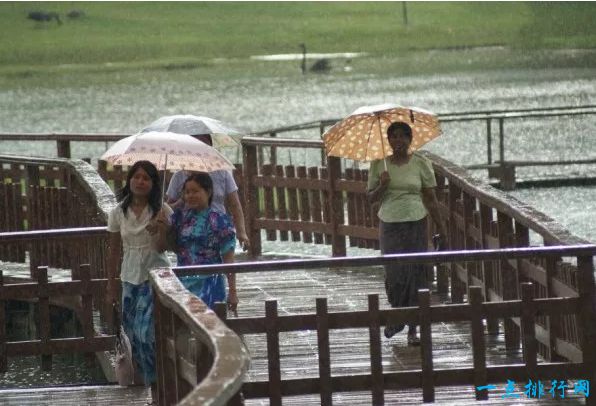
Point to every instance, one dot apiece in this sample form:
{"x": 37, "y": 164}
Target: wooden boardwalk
{"x": 296, "y": 292}
{"x": 76, "y": 396}
{"x": 347, "y": 290}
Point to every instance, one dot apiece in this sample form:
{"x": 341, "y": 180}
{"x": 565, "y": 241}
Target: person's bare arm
{"x": 429, "y": 199}
{"x": 235, "y": 208}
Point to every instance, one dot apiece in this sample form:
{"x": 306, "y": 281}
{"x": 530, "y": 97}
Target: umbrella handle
{"x": 382, "y": 143}
{"x": 163, "y": 183}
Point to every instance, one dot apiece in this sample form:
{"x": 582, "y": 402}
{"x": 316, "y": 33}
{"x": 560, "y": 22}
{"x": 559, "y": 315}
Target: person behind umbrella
{"x": 202, "y": 235}
{"x": 132, "y": 225}
{"x": 405, "y": 190}
{"x": 225, "y": 194}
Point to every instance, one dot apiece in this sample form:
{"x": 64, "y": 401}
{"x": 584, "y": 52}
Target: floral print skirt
{"x": 210, "y": 289}
{"x": 137, "y": 320}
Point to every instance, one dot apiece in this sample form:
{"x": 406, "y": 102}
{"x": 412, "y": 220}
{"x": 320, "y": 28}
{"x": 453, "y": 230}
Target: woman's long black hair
{"x": 203, "y": 180}
{"x": 124, "y": 195}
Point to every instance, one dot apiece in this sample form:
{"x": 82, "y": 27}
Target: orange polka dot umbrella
{"x": 362, "y": 136}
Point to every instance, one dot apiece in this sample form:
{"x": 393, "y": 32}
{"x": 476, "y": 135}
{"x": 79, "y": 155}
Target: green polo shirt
{"x": 402, "y": 201}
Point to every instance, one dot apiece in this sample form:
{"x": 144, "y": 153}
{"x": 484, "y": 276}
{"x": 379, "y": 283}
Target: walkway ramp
{"x": 76, "y": 396}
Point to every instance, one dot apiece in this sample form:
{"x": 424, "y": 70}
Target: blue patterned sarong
{"x": 210, "y": 289}
{"x": 137, "y": 319}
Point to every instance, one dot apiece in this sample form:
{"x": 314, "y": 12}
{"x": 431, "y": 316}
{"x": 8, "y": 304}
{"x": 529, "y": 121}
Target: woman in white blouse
{"x": 133, "y": 225}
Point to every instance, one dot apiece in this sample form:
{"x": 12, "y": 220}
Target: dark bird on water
{"x": 42, "y": 16}
{"x": 320, "y": 66}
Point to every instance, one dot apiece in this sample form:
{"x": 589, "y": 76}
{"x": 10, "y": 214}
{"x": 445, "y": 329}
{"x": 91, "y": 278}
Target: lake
{"x": 127, "y": 101}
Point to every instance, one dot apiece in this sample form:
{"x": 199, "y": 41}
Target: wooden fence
{"x": 528, "y": 309}
{"x": 49, "y": 194}
{"x": 41, "y": 198}
{"x": 80, "y": 294}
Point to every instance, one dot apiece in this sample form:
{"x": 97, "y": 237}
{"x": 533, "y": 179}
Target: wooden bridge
{"x": 512, "y": 300}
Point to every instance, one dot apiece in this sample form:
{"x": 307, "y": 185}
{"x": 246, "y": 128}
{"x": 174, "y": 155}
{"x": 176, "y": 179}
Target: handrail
{"x": 458, "y": 116}
{"x": 444, "y": 117}
{"x": 62, "y": 136}
{"x": 14, "y": 236}
{"x": 520, "y": 211}
{"x": 554, "y": 251}
{"x": 281, "y": 142}
{"x": 230, "y": 357}
{"x": 84, "y": 173}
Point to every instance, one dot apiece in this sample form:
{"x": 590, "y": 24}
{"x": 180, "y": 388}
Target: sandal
{"x": 413, "y": 340}
{"x": 391, "y": 330}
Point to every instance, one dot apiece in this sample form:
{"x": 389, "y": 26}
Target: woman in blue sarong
{"x": 132, "y": 227}
{"x": 201, "y": 235}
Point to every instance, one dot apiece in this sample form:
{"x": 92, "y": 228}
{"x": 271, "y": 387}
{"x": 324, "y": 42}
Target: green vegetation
{"x": 183, "y": 35}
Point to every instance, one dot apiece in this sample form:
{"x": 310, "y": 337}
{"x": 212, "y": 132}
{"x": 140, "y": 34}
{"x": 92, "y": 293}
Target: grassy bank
{"x": 171, "y": 35}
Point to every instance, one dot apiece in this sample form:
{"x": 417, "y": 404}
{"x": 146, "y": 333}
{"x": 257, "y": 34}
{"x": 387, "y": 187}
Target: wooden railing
{"x": 527, "y": 309}
{"x": 301, "y": 201}
{"x": 81, "y": 294}
{"x": 44, "y": 194}
{"x": 199, "y": 360}
{"x": 42, "y": 197}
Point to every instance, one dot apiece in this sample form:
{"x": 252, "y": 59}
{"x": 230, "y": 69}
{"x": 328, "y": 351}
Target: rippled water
{"x": 129, "y": 101}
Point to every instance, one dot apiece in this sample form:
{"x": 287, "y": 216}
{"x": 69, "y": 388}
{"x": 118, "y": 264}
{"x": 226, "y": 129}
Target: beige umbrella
{"x": 167, "y": 151}
{"x": 362, "y": 135}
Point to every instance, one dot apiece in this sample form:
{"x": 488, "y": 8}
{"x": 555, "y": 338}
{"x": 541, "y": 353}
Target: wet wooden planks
{"x": 348, "y": 290}
{"x": 76, "y": 396}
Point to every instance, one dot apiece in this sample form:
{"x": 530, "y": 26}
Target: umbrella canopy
{"x": 362, "y": 135}
{"x": 167, "y": 151}
{"x": 222, "y": 134}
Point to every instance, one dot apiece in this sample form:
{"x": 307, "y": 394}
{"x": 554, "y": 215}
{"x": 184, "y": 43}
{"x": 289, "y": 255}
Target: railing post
{"x": 587, "y": 297}
{"x": 324, "y": 352}
{"x": 32, "y": 175}
{"x": 501, "y": 142}
{"x": 553, "y": 321}
{"x": 457, "y": 291}
{"x": 488, "y": 267}
{"x": 529, "y": 329}
{"x": 323, "y": 153}
{"x": 160, "y": 350}
{"x": 509, "y": 280}
{"x": 63, "y": 148}
{"x": 44, "y": 317}
{"x": 273, "y": 358}
{"x": 478, "y": 345}
{"x": 273, "y": 152}
{"x": 251, "y": 198}
{"x": 86, "y": 316}
{"x": 426, "y": 346}
{"x": 376, "y": 360}
{"x": 469, "y": 205}
{"x": 3, "y": 356}
{"x": 338, "y": 242}
{"x": 489, "y": 142}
